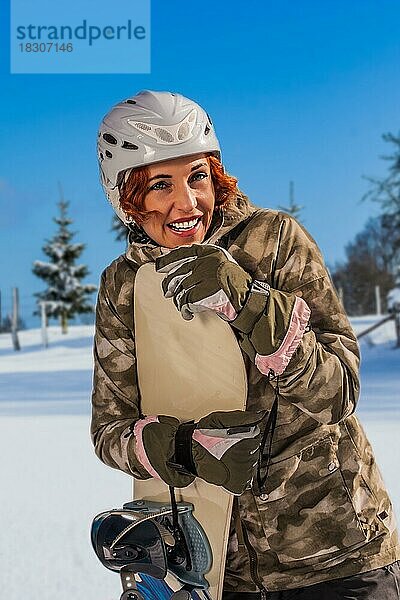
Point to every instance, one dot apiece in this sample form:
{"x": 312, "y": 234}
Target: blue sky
{"x": 299, "y": 91}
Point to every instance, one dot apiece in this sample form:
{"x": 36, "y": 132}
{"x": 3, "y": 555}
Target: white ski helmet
{"x": 148, "y": 128}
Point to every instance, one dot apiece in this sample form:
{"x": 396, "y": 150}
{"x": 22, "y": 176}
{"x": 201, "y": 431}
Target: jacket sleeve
{"x": 115, "y": 397}
{"x": 322, "y": 378}
{"x": 320, "y": 374}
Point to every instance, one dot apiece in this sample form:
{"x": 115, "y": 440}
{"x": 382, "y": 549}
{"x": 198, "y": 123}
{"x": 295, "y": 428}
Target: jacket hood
{"x": 142, "y": 249}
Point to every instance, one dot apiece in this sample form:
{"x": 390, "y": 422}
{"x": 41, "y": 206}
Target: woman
{"x": 316, "y": 521}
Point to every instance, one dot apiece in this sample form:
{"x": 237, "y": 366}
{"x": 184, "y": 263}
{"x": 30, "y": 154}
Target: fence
{"x": 16, "y": 314}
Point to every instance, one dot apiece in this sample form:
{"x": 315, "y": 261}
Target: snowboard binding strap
{"x": 150, "y": 539}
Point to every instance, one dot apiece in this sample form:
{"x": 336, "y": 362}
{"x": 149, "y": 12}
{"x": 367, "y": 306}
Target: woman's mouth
{"x": 185, "y": 227}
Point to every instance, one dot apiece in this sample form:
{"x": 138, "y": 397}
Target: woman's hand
{"x": 270, "y": 323}
{"x": 204, "y": 277}
{"x": 222, "y": 448}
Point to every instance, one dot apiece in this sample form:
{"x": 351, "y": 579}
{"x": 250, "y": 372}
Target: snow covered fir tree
{"x": 65, "y": 295}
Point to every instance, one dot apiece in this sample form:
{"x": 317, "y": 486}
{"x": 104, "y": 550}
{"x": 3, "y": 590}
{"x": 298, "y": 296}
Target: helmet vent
{"x": 164, "y": 135}
{"x": 131, "y": 101}
{"x": 183, "y": 131}
{"x": 143, "y": 126}
{"x": 110, "y": 139}
{"x": 207, "y": 130}
{"x": 129, "y": 146}
{"x": 108, "y": 154}
{"x": 169, "y": 134}
{"x": 101, "y": 156}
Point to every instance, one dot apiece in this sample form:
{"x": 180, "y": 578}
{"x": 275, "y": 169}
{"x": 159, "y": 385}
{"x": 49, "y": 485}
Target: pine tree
{"x": 386, "y": 192}
{"x": 65, "y": 295}
{"x": 369, "y": 262}
{"x": 293, "y": 209}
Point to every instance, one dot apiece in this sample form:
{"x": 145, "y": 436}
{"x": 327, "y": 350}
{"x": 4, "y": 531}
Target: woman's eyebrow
{"x": 198, "y": 166}
{"x": 161, "y": 176}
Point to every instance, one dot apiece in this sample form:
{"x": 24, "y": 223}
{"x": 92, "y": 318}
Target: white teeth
{"x": 184, "y": 224}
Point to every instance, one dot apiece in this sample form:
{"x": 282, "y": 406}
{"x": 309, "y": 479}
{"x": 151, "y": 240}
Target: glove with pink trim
{"x": 269, "y": 323}
{"x": 204, "y": 277}
{"x": 222, "y": 448}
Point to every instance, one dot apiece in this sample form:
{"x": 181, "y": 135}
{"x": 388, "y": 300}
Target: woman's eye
{"x": 199, "y": 176}
{"x": 160, "y": 185}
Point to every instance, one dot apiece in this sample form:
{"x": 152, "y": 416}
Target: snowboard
{"x": 163, "y": 589}
{"x": 186, "y": 369}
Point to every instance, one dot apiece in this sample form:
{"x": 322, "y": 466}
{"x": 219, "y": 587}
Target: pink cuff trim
{"x": 227, "y": 310}
{"x": 279, "y": 360}
{"x": 216, "y": 446}
{"x": 140, "y": 450}
{"x": 219, "y": 303}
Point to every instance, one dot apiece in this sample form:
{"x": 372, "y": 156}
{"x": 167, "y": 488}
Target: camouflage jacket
{"x": 326, "y": 513}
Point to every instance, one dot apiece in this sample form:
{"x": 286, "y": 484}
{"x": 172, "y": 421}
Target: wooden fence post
{"x": 14, "y": 319}
{"x": 45, "y": 339}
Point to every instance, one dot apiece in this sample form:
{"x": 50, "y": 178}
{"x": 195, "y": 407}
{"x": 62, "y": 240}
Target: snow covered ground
{"x": 52, "y": 484}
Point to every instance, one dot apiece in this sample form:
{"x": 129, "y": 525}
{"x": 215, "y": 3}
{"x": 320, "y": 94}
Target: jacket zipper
{"x": 253, "y": 564}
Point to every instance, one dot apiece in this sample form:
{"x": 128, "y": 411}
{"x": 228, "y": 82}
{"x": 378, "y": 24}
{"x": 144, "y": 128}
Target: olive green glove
{"x": 222, "y": 448}
{"x": 204, "y": 277}
{"x": 269, "y": 323}
{"x": 270, "y": 327}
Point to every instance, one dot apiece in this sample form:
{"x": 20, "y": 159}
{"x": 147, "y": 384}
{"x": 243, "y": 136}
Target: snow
{"x": 53, "y": 485}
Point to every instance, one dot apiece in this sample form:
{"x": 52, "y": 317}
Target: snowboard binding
{"x": 150, "y": 539}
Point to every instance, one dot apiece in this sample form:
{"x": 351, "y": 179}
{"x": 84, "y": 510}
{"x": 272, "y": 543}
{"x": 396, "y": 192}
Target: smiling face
{"x": 179, "y": 201}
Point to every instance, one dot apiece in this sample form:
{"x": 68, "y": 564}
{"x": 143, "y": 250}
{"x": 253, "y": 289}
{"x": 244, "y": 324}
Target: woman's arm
{"x": 321, "y": 377}
{"x": 115, "y": 400}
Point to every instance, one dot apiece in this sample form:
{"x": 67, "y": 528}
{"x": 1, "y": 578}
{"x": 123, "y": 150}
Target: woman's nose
{"x": 185, "y": 199}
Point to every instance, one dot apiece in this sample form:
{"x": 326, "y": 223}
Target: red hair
{"x": 133, "y": 189}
